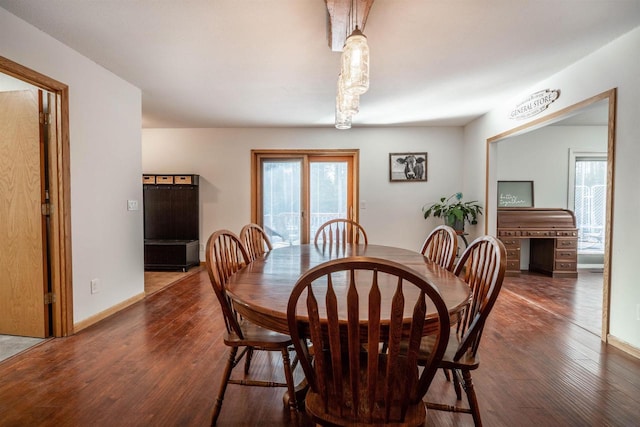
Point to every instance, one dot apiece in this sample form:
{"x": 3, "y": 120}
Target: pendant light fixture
{"x": 355, "y": 63}
{"x": 348, "y": 102}
{"x": 343, "y": 121}
{"x": 353, "y": 79}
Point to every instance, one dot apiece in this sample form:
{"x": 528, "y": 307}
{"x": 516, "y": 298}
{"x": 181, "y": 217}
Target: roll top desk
{"x": 553, "y": 238}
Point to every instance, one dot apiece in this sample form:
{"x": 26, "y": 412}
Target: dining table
{"x": 260, "y": 291}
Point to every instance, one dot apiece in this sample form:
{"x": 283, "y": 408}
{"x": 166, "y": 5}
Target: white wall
{"x": 614, "y": 66}
{"x": 393, "y": 214}
{"x": 105, "y": 122}
{"x": 542, "y": 156}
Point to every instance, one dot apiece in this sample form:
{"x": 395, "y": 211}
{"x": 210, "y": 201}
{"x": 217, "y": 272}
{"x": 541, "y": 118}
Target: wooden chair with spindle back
{"x": 225, "y": 255}
{"x": 338, "y": 309}
{"x": 255, "y": 240}
{"x": 482, "y": 265}
{"x": 340, "y": 232}
{"x": 441, "y": 246}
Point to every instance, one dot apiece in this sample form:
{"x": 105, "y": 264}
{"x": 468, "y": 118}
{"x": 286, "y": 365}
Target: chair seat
{"x": 314, "y": 404}
{"x": 467, "y": 361}
{"x": 258, "y": 337}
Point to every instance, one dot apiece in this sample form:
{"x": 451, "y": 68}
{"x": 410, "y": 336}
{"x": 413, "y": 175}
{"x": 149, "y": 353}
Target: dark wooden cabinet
{"x": 553, "y": 240}
{"x": 171, "y": 222}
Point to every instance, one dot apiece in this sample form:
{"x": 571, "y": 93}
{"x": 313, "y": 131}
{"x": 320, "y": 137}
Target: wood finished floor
{"x": 158, "y": 363}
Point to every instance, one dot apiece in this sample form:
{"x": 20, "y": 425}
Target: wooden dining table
{"x": 260, "y": 291}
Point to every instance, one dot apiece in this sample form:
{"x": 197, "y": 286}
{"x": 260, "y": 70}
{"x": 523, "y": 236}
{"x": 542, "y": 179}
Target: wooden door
{"x": 23, "y": 279}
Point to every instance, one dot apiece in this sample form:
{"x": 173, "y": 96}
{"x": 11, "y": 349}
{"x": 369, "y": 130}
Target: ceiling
{"x": 267, "y": 63}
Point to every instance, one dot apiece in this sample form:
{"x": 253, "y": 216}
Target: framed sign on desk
{"x": 515, "y": 194}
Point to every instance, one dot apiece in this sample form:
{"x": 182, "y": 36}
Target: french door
{"x": 294, "y": 192}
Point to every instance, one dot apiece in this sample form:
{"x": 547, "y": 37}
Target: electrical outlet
{"x": 95, "y": 286}
{"x": 132, "y": 205}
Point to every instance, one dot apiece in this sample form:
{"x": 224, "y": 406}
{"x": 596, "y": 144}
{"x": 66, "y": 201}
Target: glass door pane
{"x": 281, "y": 201}
{"x": 328, "y": 192}
{"x": 590, "y": 203}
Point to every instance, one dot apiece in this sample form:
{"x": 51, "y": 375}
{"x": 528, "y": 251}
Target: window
{"x": 294, "y": 192}
{"x": 589, "y": 200}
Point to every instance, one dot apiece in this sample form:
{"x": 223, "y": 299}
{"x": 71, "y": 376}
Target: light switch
{"x": 132, "y": 205}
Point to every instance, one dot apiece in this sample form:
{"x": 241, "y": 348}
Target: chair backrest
{"x": 441, "y": 246}
{"x": 341, "y": 231}
{"x": 255, "y": 241}
{"x": 225, "y": 255}
{"x": 347, "y": 321}
{"x": 482, "y": 266}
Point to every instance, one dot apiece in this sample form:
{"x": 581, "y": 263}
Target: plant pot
{"x": 456, "y": 225}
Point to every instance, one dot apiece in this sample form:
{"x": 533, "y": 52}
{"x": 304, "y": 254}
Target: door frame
{"x": 611, "y": 96}
{"x": 59, "y": 193}
{"x": 258, "y": 155}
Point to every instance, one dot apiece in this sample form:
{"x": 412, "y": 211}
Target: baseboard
{"x": 77, "y": 327}
{"x": 624, "y": 346}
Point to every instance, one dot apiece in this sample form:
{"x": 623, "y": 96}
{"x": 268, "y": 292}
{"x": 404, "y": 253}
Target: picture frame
{"x": 515, "y": 194}
{"x": 407, "y": 167}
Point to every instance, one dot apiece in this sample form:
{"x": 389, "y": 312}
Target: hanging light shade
{"x": 355, "y": 63}
{"x": 343, "y": 121}
{"x": 348, "y": 103}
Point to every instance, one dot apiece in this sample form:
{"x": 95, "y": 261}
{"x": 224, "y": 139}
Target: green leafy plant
{"x": 454, "y": 211}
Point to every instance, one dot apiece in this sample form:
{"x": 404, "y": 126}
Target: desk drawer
{"x": 566, "y": 255}
{"x": 508, "y": 233}
{"x": 510, "y": 243}
{"x": 539, "y": 233}
{"x": 567, "y": 233}
{"x": 513, "y": 253}
{"x": 566, "y": 243}
{"x": 565, "y": 266}
{"x": 513, "y": 264}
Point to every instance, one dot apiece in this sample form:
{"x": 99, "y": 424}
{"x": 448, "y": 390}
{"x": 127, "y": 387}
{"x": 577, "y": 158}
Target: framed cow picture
{"x": 407, "y": 167}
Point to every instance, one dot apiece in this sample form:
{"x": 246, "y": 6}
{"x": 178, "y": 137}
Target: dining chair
{"x": 482, "y": 265}
{"x": 225, "y": 255}
{"x": 341, "y": 231}
{"x": 337, "y": 308}
{"x": 441, "y": 246}
{"x": 255, "y": 240}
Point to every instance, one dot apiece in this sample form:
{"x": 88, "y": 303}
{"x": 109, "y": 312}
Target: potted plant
{"x": 454, "y": 211}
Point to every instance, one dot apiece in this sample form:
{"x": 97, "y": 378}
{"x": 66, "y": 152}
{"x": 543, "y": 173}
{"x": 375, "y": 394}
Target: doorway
{"x": 608, "y": 98}
{"x": 55, "y": 164}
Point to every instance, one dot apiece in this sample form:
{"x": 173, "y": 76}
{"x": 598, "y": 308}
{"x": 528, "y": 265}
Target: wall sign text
{"x": 536, "y": 103}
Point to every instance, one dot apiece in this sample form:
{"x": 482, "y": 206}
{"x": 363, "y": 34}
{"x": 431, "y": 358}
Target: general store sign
{"x": 536, "y": 103}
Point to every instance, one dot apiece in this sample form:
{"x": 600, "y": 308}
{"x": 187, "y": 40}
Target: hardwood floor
{"x": 155, "y": 281}
{"x": 159, "y": 362}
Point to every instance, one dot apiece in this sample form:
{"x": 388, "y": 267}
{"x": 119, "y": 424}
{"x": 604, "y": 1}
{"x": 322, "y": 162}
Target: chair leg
{"x": 293, "y": 406}
{"x": 471, "y": 396}
{"x": 223, "y": 384}
{"x": 446, "y": 374}
{"x": 247, "y": 360}
{"x": 456, "y": 383}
